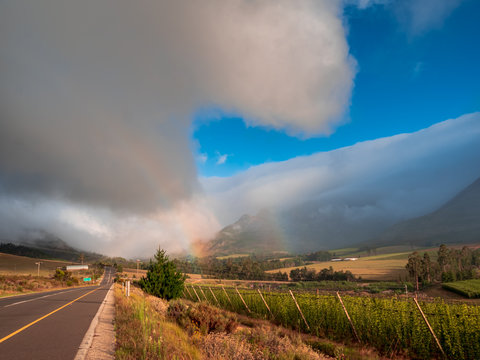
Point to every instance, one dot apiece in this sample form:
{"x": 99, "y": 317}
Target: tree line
{"x": 245, "y": 268}
{"x": 305, "y": 274}
{"x": 450, "y": 265}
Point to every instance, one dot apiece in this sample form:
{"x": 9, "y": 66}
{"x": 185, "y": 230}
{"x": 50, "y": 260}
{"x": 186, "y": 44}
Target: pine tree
{"x": 162, "y": 279}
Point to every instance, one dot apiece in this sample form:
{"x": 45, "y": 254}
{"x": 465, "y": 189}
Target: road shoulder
{"x": 99, "y": 341}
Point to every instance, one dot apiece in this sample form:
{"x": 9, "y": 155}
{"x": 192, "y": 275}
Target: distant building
{"x": 350, "y": 259}
{"x": 337, "y": 259}
{"x": 77, "y": 267}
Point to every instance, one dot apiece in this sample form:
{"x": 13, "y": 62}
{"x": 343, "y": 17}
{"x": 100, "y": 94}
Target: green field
{"x": 467, "y": 288}
{"x": 391, "y": 325}
{"x": 22, "y": 265}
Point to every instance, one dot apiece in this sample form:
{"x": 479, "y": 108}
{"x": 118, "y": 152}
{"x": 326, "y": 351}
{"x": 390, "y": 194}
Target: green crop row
{"x": 391, "y": 325}
{"x": 468, "y": 288}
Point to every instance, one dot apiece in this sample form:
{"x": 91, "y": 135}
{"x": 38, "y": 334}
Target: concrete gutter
{"x": 99, "y": 340}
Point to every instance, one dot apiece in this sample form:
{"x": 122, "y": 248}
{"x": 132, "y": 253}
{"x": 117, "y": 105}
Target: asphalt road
{"x": 60, "y": 320}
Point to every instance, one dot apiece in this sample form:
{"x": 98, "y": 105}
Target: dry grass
{"x": 233, "y": 256}
{"x": 22, "y": 265}
{"x": 143, "y": 332}
{"x": 368, "y": 268}
{"x": 18, "y": 284}
{"x": 133, "y": 273}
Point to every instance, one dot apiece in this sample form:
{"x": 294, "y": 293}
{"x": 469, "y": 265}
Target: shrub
{"x": 162, "y": 279}
{"x": 201, "y": 317}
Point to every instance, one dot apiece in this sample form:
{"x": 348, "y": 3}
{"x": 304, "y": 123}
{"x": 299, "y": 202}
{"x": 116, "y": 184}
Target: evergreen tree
{"x": 162, "y": 279}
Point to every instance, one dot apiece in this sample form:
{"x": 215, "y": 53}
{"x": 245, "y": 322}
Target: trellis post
{"x": 270, "y": 311}
{"x": 195, "y": 291}
{"x": 300, "y": 310}
{"x": 228, "y": 297}
{"x": 244, "y": 303}
{"x": 348, "y": 317}
{"x": 203, "y": 294}
{"x": 189, "y": 293}
{"x": 213, "y": 295}
{"x": 429, "y": 327}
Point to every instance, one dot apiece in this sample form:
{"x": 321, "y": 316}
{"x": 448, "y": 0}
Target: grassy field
{"x": 369, "y": 268}
{"x": 386, "y": 264}
{"x": 385, "y": 250}
{"x": 21, "y": 265}
{"x": 467, "y": 288}
{"x": 133, "y": 273}
{"x": 233, "y": 256}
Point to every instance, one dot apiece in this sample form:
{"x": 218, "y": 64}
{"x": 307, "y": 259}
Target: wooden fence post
{"x": 244, "y": 303}
{"x": 228, "y": 297}
{"x": 189, "y": 293}
{"x": 203, "y": 294}
{"x": 195, "y": 291}
{"x": 270, "y": 311}
{"x": 348, "y": 316}
{"x": 300, "y": 310}
{"x": 429, "y": 327}
{"x": 213, "y": 295}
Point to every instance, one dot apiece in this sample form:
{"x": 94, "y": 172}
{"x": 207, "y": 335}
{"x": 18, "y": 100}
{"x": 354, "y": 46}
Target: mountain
{"x": 457, "y": 221}
{"x": 301, "y": 229}
{"x": 312, "y": 226}
{"x": 42, "y": 244}
{"x": 250, "y": 234}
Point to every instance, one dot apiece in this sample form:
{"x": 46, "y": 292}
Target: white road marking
{"x": 41, "y": 297}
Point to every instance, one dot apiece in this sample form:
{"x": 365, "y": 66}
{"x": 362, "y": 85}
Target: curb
{"x": 88, "y": 338}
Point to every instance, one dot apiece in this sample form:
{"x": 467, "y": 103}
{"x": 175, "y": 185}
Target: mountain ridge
{"x": 458, "y": 219}
{"x": 306, "y": 228}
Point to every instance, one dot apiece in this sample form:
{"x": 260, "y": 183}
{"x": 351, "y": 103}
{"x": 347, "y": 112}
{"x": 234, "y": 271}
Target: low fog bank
{"x": 345, "y": 196}
{"x": 370, "y": 184}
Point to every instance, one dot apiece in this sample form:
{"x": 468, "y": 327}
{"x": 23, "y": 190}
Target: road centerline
{"x": 38, "y": 298}
{"x": 45, "y": 316}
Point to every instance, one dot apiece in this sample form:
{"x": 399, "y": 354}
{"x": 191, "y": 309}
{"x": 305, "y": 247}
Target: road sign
{"x": 87, "y": 279}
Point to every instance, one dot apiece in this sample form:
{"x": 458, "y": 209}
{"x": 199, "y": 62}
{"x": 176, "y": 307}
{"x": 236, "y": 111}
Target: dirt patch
{"x": 436, "y": 291}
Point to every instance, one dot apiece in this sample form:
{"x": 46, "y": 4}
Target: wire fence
{"x": 392, "y": 324}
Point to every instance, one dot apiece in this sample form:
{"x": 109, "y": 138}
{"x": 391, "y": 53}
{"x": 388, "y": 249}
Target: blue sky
{"x": 406, "y": 80}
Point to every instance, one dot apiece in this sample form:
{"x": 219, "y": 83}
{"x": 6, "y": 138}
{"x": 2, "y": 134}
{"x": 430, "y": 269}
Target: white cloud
{"x": 96, "y": 103}
{"x": 222, "y": 159}
{"x": 420, "y": 16}
{"x": 418, "y": 68}
{"x": 401, "y": 176}
{"x": 97, "y": 99}
{"x": 363, "y": 4}
{"x": 416, "y": 16}
{"x": 397, "y": 177}
{"x": 103, "y": 92}
{"x": 202, "y": 158}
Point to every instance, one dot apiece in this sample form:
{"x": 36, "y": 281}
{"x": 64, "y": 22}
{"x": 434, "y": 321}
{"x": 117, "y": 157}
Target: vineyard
{"x": 468, "y": 288}
{"x": 391, "y": 325}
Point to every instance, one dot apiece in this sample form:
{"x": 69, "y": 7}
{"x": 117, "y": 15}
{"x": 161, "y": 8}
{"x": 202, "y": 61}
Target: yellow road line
{"x": 43, "y": 317}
